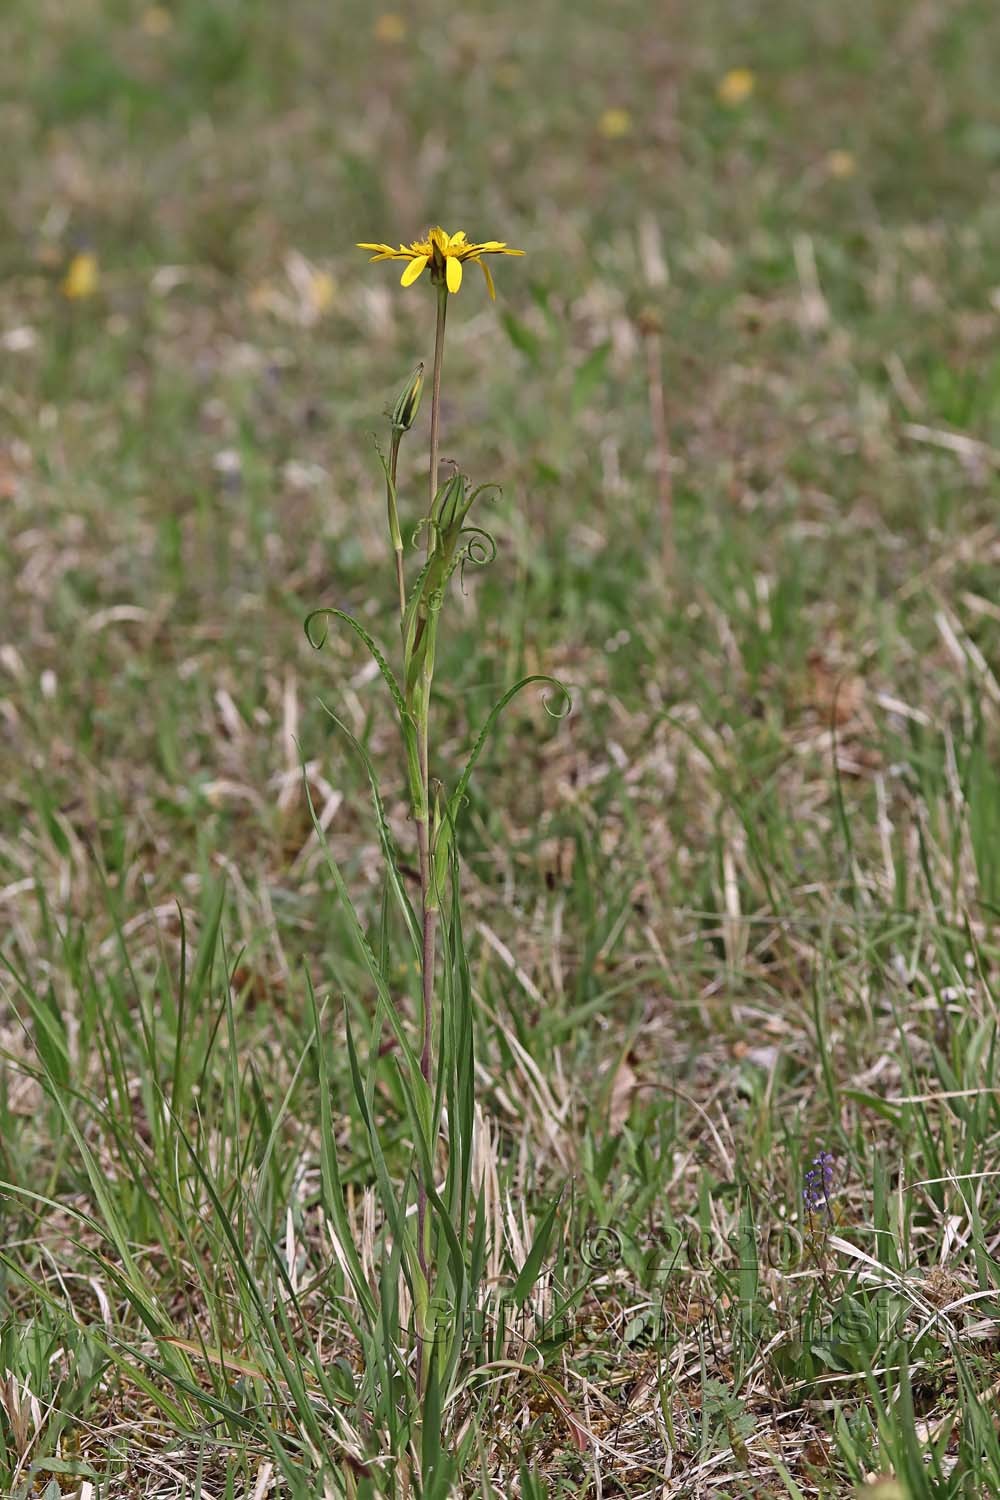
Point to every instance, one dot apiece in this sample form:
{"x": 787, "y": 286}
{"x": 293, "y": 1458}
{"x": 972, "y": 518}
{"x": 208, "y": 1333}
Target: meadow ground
{"x": 737, "y": 910}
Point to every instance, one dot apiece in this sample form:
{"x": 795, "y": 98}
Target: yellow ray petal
{"x": 458, "y": 238}
{"x": 489, "y": 279}
{"x": 453, "y": 271}
{"x": 413, "y": 270}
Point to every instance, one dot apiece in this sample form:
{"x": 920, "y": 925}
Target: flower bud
{"x": 408, "y": 402}
{"x": 449, "y": 504}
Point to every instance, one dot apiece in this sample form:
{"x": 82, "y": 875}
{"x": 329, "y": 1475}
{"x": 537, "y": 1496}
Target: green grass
{"x": 704, "y": 935}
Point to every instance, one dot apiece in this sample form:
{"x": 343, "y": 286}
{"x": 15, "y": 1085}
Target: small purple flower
{"x": 817, "y": 1183}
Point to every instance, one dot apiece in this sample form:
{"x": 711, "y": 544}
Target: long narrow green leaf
{"x": 528, "y": 1274}
{"x": 384, "y": 831}
{"x": 333, "y": 1192}
{"x": 388, "y": 675}
{"x": 371, "y": 962}
{"x": 450, "y": 819}
{"x": 393, "y": 1209}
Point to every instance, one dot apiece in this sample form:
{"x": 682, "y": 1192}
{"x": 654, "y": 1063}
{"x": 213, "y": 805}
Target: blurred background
{"x": 742, "y": 395}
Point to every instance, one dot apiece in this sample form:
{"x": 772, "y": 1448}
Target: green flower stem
{"x": 428, "y": 894}
{"x": 442, "y": 313}
{"x": 394, "y": 532}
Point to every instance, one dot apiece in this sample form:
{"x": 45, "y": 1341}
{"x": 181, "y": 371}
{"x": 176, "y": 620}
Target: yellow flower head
{"x": 614, "y": 123}
{"x": 390, "y": 28}
{"x": 320, "y": 292}
{"x": 157, "y": 21}
{"x": 82, "y": 276}
{"x": 736, "y": 87}
{"x": 445, "y": 254}
{"x": 841, "y": 163}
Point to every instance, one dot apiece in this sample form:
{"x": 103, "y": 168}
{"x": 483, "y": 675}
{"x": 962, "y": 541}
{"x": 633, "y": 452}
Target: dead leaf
{"x": 624, "y": 1087}
{"x": 836, "y": 695}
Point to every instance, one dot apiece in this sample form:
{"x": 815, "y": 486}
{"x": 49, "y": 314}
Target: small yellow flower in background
{"x": 735, "y": 87}
{"x": 309, "y": 295}
{"x": 841, "y": 163}
{"x": 321, "y": 291}
{"x": 614, "y": 123}
{"x": 157, "y": 20}
{"x": 82, "y": 276}
{"x": 445, "y": 254}
{"x": 390, "y": 28}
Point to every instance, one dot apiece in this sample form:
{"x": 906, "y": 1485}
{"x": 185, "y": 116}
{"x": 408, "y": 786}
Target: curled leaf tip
{"x": 563, "y": 699}
{"x": 317, "y": 614}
